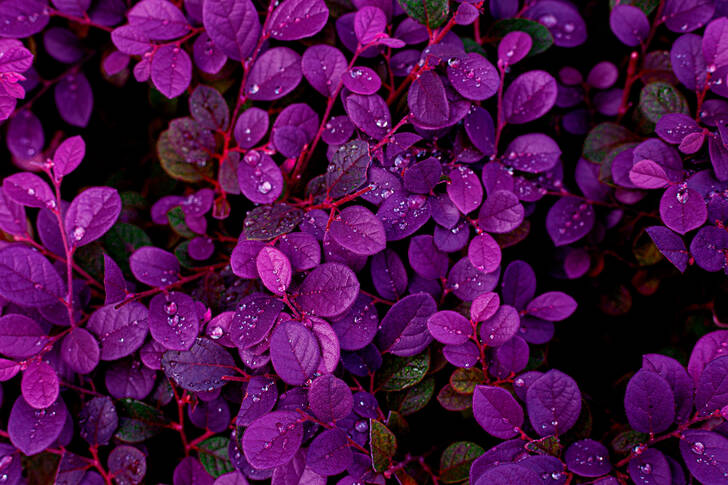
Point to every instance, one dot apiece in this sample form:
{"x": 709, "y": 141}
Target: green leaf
{"x": 41, "y": 468}
{"x": 399, "y": 373}
{"x": 645, "y": 251}
{"x": 465, "y": 380}
{"x": 183, "y": 256}
{"x": 456, "y": 459}
{"x": 122, "y": 240}
{"x": 549, "y": 445}
{"x": 540, "y": 35}
{"x": 603, "y": 138}
{"x": 647, "y": 6}
{"x": 431, "y": 13}
{"x": 454, "y": 401}
{"x": 268, "y": 221}
{"x": 626, "y": 440}
{"x": 176, "y": 218}
{"x": 347, "y": 170}
{"x": 175, "y": 164}
{"x": 138, "y": 421}
{"x": 657, "y": 99}
{"x": 383, "y": 445}
{"x": 605, "y": 169}
{"x": 472, "y": 46}
{"x": 413, "y": 398}
{"x": 213, "y": 454}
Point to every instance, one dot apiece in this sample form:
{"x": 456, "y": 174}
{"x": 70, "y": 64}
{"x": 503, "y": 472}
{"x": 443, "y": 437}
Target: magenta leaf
{"x": 80, "y": 351}
{"x": 501, "y": 212}
{"x": 251, "y": 127}
{"x": 473, "y": 76}
{"x": 20, "y": 336}
{"x": 682, "y": 209}
{"x": 127, "y": 464}
{"x": 330, "y": 398}
{"x": 28, "y": 189}
{"x": 629, "y": 24}
{"x": 39, "y": 385}
{"x": 530, "y": 96}
{"x": 201, "y": 368}
{"x": 171, "y": 70}
{"x": 369, "y": 23}
{"x": 514, "y": 46}
{"x": 22, "y": 19}
{"x": 98, "y": 420}
{"x": 272, "y": 440}
{"x": 706, "y": 455}
{"x": 158, "y": 19}
{"x": 74, "y": 99}
{"x": 484, "y": 253}
{"x": 569, "y": 220}
{"x": 647, "y": 174}
{"x": 449, "y": 327}
{"x": 533, "y": 153}
{"x": 233, "y": 26}
{"x": 403, "y": 330}
{"x": 298, "y": 19}
{"x": 274, "y": 269}
{"x": 329, "y": 453}
{"x": 323, "y": 67}
{"x": 302, "y": 249}
{"x": 484, "y": 306}
{"x": 552, "y": 306}
{"x": 464, "y": 189}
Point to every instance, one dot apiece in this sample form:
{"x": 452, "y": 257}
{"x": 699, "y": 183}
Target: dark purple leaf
{"x": 422, "y": 177}
{"x": 259, "y": 398}
{"x": 298, "y": 19}
{"x": 276, "y": 73}
{"x": 497, "y": 411}
{"x": 588, "y": 458}
{"x": 20, "y": 336}
{"x": 533, "y": 153}
{"x": 254, "y": 317}
{"x": 201, "y": 368}
{"x": 514, "y": 46}
{"x": 426, "y": 260}
{"x": 330, "y": 398}
{"x": 154, "y": 266}
{"x": 670, "y": 245}
{"x": 27, "y": 278}
{"x": 682, "y": 209}
{"x": 233, "y": 26}
{"x": 191, "y": 472}
{"x": 323, "y": 67}
{"x": 328, "y": 290}
{"x": 80, "y": 351}
{"x": 358, "y": 230}
{"x": 127, "y": 464}
{"x": 554, "y": 403}
{"x": 295, "y": 352}
{"x": 629, "y": 24}
{"x": 711, "y": 393}
{"x": 98, "y": 420}
{"x": 388, "y": 274}
{"x": 649, "y": 402}
{"x": 530, "y": 96}
{"x": 501, "y": 212}
{"x": 120, "y": 331}
{"x": 569, "y": 220}
{"x": 74, "y": 99}
{"x": 173, "y": 320}
{"x": 403, "y": 330}
{"x": 33, "y": 430}
{"x": 706, "y": 455}
{"x": 370, "y": 114}
{"x": 687, "y": 15}
{"x": 473, "y": 76}
{"x": 427, "y": 99}
{"x": 500, "y": 327}
{"x": 273, "y": 439}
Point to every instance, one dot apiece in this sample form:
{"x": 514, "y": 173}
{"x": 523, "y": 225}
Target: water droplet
{"x": 254, "y": 89}
{"x": 645, "y": 468}
{"x": 170, "y": 308}
{"x": 698, "y": 448}
{"x": 78, "y": 233}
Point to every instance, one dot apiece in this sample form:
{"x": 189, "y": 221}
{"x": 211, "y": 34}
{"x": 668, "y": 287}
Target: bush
{"x": 330, "y": 242}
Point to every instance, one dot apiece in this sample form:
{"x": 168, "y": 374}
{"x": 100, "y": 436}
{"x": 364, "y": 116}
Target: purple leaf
{"x": 473, "y": 76}
{"x": 480, "y": 129}
{"x": 552, "y": 306}
{"x": 629, "y": 24}
{"x": 173, "y": 320}
{"x": 330, "y": 398}
{"x": 243, "y": 258}
{"x": 23, "y": 18}
{"x": 74, "y": 99}
{"x": 682, "y": 209}
{"x": 130, "y": 40}
{"x": 259, "y": 398}
{"x": 154, "y": 266}
{"x": 388, "y": 274}
{"x": 201, "y": 368}
{"x": 650, "y": 467}
{"x": 514, "y": 46}
{"x": 569, "y": 220}
{"x": 500, "y": 327}
{"x": 705, "y": 454}
{"x": 209, "y": 108}
{"x": 329, "y": 453}
{"x": 39, "y": 385}
{"x": 32, "y": 430}
{"x": 370, "y": 114}
{"x": 711, "y": 393}
{"x": 554, "y": 403}
{"x": 25, "y": 135}
{"x": 259, "y": 177}
{"x": 347, "y": 170}
{"x": 508, "y": 474}
{"x": 501, "y": 212}
{"x": 422, "y": 177}
{"x": 323, "y": 66}
{"x": 91, "y": 214}
{"x": 127, "y": 379}
{"x": 328, "y": 290}
{"x": 272, "y": 440}
{"x": 709, "y": 248}
{"x": 302, "y": 249}
{"x": 171, "y": 70}
{"x": 449, "y": 327}
{"x": 674, "y": 127}
{"x": 29, "y": 190}
{"x": 12, "y": 215}
{"x": 127, "y": 464}
{"x": 497, "y": 411}
{"x": 98, "y": 420}
{"x": 158, "y": 19}
{"x": 647, "y": 174}
{"x": 294, "y": 352}
{"x": 715, "y": 42}
{"x": 403, "y": 331}
{"x": 519, "y": 284}
{"x": 467, "y": 282}
{"x": 707, "y": 348}
{"x": 328, "y": 343}
{"x": 357, "y": 327}
{"x": 530, "y": 96}
{"x": 464, "y": 189}
{"x": 427, "y": 99}
{"x": 687, "y": 15}
{"x": 191, "y": 472}
{"x": 649, "y": 402}
{"x": 675, "y": 375}
{"x": 562, "y": 19}
{"x": 484, "y": 306}
{"x": 68, "y": 156}
{"x": 207, "y": 56}
{"x": 27, "y": 278}
{"x": 80, "y": 351}
{"x": 533, "y": 153}
{"x": 276, "y": 73}
{"x": 254, "y": 317}
{"x": 426, "y": 260}
{"x": 298, "y": 19}
{"x": 588, "y": 458}
{"x": 718, "y": 155}
{"x": 670, "y": 245}
{"x": 687, "y": 62}
{"x": 274, "y": 269}
{"x": 359, "y": 231}
{"x": 484, "y": 253}
{"x": 120, "y": 331}
{"x": 20, "y": 336}
{"x": 233, "y": 26}
{"x": 369, "y": 23}
{"x": 251, "y": 127}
